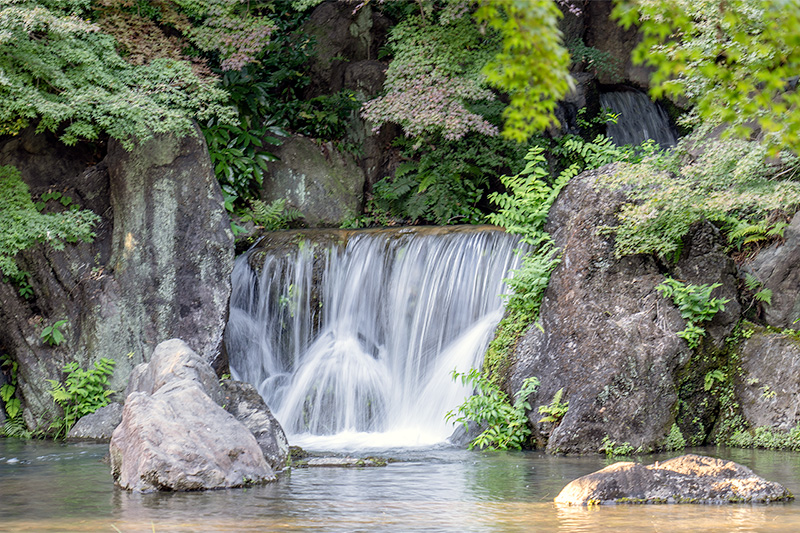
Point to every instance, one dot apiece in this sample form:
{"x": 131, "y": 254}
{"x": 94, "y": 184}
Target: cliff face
{"x": 609, "y": 339}
{"x": 159, "y": 267}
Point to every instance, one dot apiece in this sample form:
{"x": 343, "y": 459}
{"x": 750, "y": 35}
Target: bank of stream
{"x": 48, "y": 486}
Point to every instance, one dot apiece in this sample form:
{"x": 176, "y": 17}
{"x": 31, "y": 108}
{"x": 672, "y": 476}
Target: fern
{"x": 272, "y": 216}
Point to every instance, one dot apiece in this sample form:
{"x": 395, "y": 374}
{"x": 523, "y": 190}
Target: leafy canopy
{"x": 59, "y": 70}
{"x": 736, "y": 60}
{"x": 444, "y": 60}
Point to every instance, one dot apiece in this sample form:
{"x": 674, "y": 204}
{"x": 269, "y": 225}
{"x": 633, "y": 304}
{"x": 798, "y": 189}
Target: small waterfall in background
{"x": 640, "y": 119}
{"x": 351, "y": 336}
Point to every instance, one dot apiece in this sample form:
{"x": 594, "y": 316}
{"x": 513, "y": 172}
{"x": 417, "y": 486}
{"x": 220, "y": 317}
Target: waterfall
{"x": 639, "y": 119}
{"x": 351, "y": 337}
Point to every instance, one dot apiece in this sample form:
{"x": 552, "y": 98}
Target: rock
{"x": 99, "y": 425}
{"x": 686, "y": 479}
{"x": 325, "y": 185}
{"x": 178, "y": 439}
{"x": 247, "y": 406}
{"x": 342, "y": 36}
{"x": 342, "y": 462}
{"x": 603, "y": 33}
{"x": 778, "y": 268}
{"x": 159, "y": 267}
{"x": 607, "y": 337}
{"x": 173, "y": 360}
{"x": 767, "y": 388}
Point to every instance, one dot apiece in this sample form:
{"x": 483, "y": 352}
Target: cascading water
{"x": 352, "y": 337}
{"x": 639, "y": 119}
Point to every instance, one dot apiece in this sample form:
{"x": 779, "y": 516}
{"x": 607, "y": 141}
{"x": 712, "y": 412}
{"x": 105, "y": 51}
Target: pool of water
{"x": 45, "y": 486}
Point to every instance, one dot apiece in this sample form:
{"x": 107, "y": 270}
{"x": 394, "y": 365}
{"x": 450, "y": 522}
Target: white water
{"x": 639, "y": 119}
{"x": 358, "y": 351}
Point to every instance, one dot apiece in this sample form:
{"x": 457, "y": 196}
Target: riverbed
{"x": 46, "y": 486}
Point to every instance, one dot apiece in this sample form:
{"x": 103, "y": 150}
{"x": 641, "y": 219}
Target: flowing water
{"x": 352, "y": 337}
{"x": 50, "y": 487}
{"x": 639, "y": 119}
{"x": 352, "y": 341}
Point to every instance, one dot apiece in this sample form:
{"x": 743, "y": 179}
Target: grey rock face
{"x": 768, "y": 387}
{"x": 608, "y": 337}
{"x": 778, "y": 268}
{"x": 99, "y": 425}
{"x": 159, "y": 267}
{"x": 686, "y": 479}
{"x": 247, "y": 406}
{"x": 178, "y": 439}
{"x": 176, "y": 433}
{"x": 326, "y": 186}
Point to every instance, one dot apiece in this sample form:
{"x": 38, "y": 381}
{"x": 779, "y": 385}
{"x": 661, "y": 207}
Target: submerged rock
{"x": 686, "y": 479}
{"x": 178, "y": 439}
{"x": 99, "y": 425}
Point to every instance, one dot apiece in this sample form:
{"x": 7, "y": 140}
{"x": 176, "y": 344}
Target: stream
{"x": 46, "y": 486}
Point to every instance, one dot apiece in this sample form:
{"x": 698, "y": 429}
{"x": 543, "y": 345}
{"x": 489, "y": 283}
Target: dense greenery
{"x": 735, "y": 60}
{"x": 733, "y": 183}
{"x": 505, "y": 425}
{"x": 26, "y": 224}
{"x": 83, "y": 392}
{"x": 695, "y": 304}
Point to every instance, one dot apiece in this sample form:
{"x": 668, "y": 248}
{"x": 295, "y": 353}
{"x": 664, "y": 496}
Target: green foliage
{"x": 8, "y": 390}
{"x": 83, "y": 392}
{"x": 272, "y": 216}
{"x": 523, "y": 209}
{"x": 506, "y": 424}
{"x": 712, "y": 376}
{"x": 594, "y": 60}
{"x": 444, "y": 182}
{"x": 61, "y": 72}
{"x": 24, "y": 225}
{"x": 556, "y": 410}
{"x": 52, "y": 334}
{"x": 612, "y": 449}
{"x": 753, "y": 284}
{"x": 735, "y": 60}
{"x": 435, "y": 72}
{"x": 768, "y": 438}
{"x": 675, "y": 440}
{"x": 532, "y": 66}
{"x": 695, "y": 304}
{"x": 15, "y": 424}
{"x": 733, "y": 183}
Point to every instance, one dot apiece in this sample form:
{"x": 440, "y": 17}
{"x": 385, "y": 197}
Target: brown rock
{"x": 686, "y": 479}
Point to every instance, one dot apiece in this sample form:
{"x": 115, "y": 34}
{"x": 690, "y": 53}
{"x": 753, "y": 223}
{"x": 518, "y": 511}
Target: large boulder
{"x": 178, "y": 439}
{"x": 248, "y": 407}
{"x": 159, "y": 267}
{"x": 686, "y": 479}
{"x": 182, "y": 430}
{"x": 778, "y": 268}
{"x": 324, "y": 184}
{"x": 607, "y": 337}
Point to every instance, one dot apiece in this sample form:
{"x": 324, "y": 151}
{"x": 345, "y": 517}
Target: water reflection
{"x": 47, "y": 487}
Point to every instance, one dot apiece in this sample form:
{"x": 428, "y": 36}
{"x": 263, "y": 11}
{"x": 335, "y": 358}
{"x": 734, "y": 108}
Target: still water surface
{"x": 51, "y": 487}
